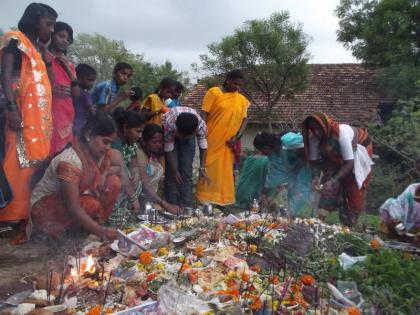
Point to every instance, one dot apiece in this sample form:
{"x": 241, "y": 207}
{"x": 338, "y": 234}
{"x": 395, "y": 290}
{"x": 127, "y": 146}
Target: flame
{"x": 73, "y": 275}
{"x": 90, "y": 265}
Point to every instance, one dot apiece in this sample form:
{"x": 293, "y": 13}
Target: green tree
{"x": 103, "y": 53}
{"x": 384, "y": 33}
{"x": 273, "y": 54}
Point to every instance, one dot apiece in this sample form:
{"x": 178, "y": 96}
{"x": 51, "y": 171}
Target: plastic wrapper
{"x": 347, "y": 261}
{"x": 174, "y": 301}
{"x": 142, "y": 239}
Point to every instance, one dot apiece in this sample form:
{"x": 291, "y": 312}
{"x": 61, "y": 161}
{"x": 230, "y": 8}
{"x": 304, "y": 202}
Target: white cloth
{"x": 362, "y": 165}
{"x": 404, "y": 208}
{"x": 345, "y": 140}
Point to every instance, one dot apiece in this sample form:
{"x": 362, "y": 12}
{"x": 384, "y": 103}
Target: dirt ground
{"x": 20, "y": 264}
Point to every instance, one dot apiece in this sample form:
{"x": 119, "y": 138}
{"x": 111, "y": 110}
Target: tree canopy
{"x": 273, "y": 54}
{"x": 385, "y": 33}
{"x": 103, "y": 53}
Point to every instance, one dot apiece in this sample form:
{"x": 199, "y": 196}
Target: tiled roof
{"x": 347, "y": 92}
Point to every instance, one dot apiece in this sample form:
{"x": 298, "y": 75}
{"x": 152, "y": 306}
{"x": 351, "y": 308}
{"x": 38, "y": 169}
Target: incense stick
{"x": 107, "y": 289}
{"x": 58, "y": 299}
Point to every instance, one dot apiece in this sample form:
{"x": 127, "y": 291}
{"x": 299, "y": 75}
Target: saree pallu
{"x": 62, "y": 110}
{"x": 251, "y": 180}
{"x": 122, "y": 214}
{"x": 346, "y": 191}
{"x": 288, "y": 167}
{"x": 30, "y": 145}
{"x": 226, "y": 112}
{"x": 50, "y": 215}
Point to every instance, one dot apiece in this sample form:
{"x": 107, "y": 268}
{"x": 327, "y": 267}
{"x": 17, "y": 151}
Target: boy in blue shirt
{"x": 107, "y": 95}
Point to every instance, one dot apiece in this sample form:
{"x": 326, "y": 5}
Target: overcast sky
{"x": 179, "y": 30}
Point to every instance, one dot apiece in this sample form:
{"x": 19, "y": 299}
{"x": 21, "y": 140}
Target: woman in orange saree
{"x": 80, "y": 186}
{"x": 225, "y": 112}
{"x": 27, "y": 89}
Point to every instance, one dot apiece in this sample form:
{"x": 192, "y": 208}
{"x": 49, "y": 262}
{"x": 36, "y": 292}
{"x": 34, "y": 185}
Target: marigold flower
{"x": 163, "y": 251}
{"x": 158, "y": 228}
{"x": 151, "y": 277}
{"x": 353, "y": 310}
{"x": 253, "y": 248}
{"x": 146, "y": 258}
{"x": 307, "y": 280}
{"x": 160, "y": 266}
{"x": 231, "y": 275}
{"x": 96, "y": 310}
{"x": 193, "y": 276}
{"x": 199, "y": 251}
{"x": 256, "y": 268}
{"x": 245, "y": 277}
{"x": 256, "y": 304}
{"x": 231, "y": 283}
{"x": 275, "y": 280}
{"x": 197, "y": 264}
{"x": 240, "y": 225}
{"x": 374, "y": 244}
{"x": 185, "y": 266}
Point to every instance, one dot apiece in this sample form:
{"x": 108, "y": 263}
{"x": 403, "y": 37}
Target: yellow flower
{"x": 181, "y": 258}
{"x": 160, "y": 266}
{"x": 253, "y": 248}
{"x": 230, "y": 275}
{"x": 163, "y": 251}
{"x": 208, "y": 313}
{"x": 140, "y": 266}
{"x": 158, "y": 228}
{"x": 197, "y": 264}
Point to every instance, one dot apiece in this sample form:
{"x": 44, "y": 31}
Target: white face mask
{"x": 168, "y": 101}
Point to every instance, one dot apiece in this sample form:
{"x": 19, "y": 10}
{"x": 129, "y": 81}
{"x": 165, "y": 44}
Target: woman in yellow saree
{"x": 225, "y": 112}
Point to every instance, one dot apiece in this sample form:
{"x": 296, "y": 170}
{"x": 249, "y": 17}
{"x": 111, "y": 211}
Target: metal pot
{"x": 208, "y": 210}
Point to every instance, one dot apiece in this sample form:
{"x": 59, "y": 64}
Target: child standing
{"x": 83, "y": 105}
{"x": 64, "y": 86}
{"x": 154, "y": 105}
{"x": 107, "y": 94}
{"x": 179, "y": 88}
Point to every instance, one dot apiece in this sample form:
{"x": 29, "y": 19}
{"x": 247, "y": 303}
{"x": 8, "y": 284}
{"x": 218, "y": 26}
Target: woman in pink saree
{"x": 65, "y": 88}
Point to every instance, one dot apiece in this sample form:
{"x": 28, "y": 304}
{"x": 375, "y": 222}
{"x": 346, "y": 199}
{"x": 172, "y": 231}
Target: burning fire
{"x": 90, "y": 265}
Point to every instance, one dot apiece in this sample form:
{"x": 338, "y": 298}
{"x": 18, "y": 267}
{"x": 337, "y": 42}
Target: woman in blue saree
{"x": 286, "y": 167}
